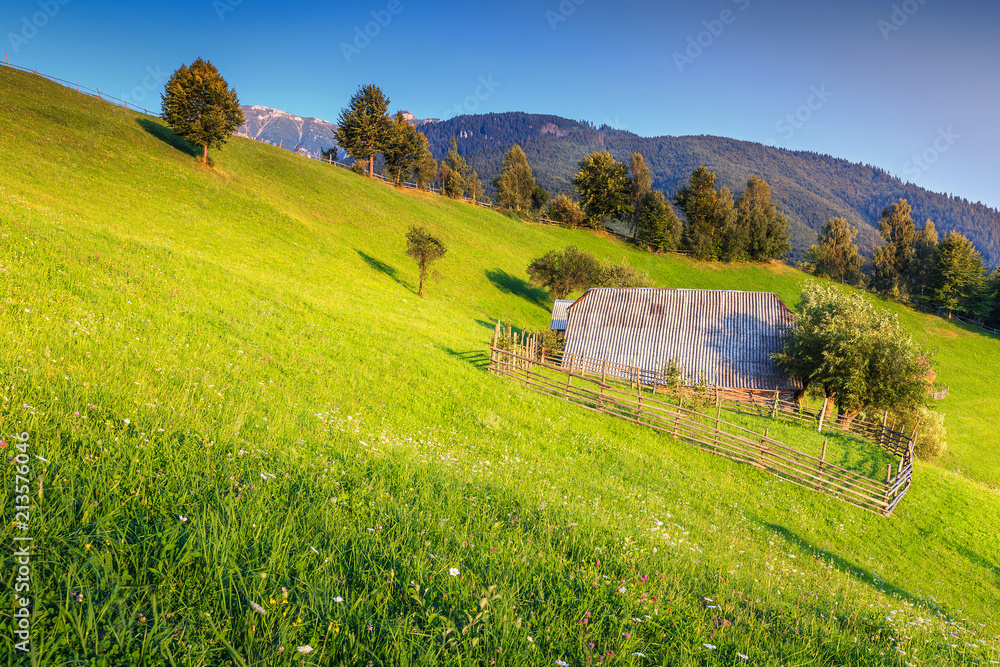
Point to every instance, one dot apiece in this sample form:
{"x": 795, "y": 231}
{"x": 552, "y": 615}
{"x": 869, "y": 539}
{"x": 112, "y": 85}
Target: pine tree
{"x": 475, "y": 188}
{"x": 453, "y": 172}
{"x": 199, "y": 106}
{"x": 515, "y": 183}
{"x": 402, "y": 149}
{"x": 426, "y": 167}
{"x": 957, "y": 280}
{"x": 658, "y": 226}
{"x": 364, "y": 126}
{"x": 925, "y": 246}
{"x": 707, "y": 214}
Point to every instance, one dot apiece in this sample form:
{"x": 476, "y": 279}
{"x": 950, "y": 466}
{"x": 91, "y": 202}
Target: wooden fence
{"x": 639, "y": 403}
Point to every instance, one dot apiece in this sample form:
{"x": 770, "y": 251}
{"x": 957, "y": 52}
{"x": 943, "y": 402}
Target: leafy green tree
{"x": 707, "y": 214}
{"x": 565, "y": 210}
{"x": 604, "y": 188}
{"x": 836, "y": 256}
{"x": 765, "y": 231}
{"x": 658, "y": 226}
{"x": 364, "y": 127}
{"x": 858, "y": 353}
{"x": 200, "y": 107}
{"x": 925, "y": 245}
{"x": 622, "y": 275}
{"x": 453, "y": 173}
{"x": 402, "y": 149}
{"x": 426, "y": 167}
{"x": 642, "y": 183}
{"x": 893, "y": 259}
{"x": 564, "y": 272}
{"x": 515, "y": 183}
{"x": 957, "y": 279}
{"x": 425, "y": 249}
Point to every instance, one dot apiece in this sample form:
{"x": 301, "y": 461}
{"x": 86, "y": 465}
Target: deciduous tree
{"x": 515, "y": 183}
{"x": 565, "y": 210}
{"x": 892, "y": 260}
{"x": 200, "y": 107}
{"x": 425, "y": 249}
{"x": 765, "y": 232}
{"x": 364, "y": 126}
{"x": 836, "y": 256}
{"x": 707, "y": 213}
{"x": 564, "y": 272}
{"x": 642, "y": 183}
{"x": 453, "y": 173}
{"x": 604, "y": 188}
{"x": 858, "y": 353}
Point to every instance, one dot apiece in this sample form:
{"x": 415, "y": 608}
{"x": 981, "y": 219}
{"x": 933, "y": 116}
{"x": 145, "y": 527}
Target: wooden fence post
{"x": 822, "y": 414}
{"x": 774, "y": 410}
{"x": 882, "y": 433}
{"x": 888, "y": 478}
{"x": 638, "y": 391}
{"x": 763, "y": 447}
{"x": 822, "y": 461}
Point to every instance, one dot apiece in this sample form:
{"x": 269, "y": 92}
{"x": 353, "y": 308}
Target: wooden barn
{"x": 725, "y": 337}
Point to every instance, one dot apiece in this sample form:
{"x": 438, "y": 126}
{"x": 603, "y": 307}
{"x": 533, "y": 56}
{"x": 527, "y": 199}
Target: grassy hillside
{"x": 248, "y": 435}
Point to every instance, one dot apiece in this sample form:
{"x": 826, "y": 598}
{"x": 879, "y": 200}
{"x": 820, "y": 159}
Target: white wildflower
{"x": 453, "y": 571}
{"x": 257, "y": 608}
{"x": 307, "y": 649}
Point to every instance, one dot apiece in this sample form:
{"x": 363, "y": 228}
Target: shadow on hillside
{"x": 509, "y": 284}
{"x": 976, "y": 559}
{"x": 382, "y": 267}
{"x": 477, "y": 358}
{"x": 167, "y": 136}
{"x": 858, "y": 573}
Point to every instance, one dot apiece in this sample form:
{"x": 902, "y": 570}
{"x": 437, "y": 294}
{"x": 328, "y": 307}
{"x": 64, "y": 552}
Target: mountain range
{"x": 808, "y": 188}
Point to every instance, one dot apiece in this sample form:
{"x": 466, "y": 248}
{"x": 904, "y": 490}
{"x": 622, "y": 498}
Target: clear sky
{"x": 911, "y": 86}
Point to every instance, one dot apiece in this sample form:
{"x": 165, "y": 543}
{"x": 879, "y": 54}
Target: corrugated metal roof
{"x": 559, "y": 315}
{"x": 726, "y": 335}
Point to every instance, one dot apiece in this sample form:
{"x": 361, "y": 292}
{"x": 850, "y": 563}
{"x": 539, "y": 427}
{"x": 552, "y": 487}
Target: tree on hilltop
{"x": 364, "y": 127}
{"x": 200, "y": 107}
{"x": 604, "y": 187}
{"x": 402, "y": 149}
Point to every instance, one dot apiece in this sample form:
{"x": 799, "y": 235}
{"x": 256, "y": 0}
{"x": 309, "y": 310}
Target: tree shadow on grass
{"x": 509, "y": 284}
{"x": 479, "y": 359}
{"x": 167, "y": 136}
{"x": 382, "y": 267}
{"x": 849, "y": 568}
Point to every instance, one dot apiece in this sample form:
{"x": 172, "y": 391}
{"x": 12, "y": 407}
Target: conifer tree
{"x": 453, "y": 172}
{"x": 364, "y": 126}
{"x": 957, "y": 279}
{"x": 426, "y": 167}
{"x": 658, "y": 226}
{"x": 199, "y": 106}
{"x": 402, "y": 149}
{"x": 707, "y": 214}
{"x": 925, "y": 246}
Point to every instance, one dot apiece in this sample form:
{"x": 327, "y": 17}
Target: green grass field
{"x": 248, "y": 435}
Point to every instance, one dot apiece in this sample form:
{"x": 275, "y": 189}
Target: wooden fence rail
{"x": 884, "y": 435}
{"x": 639, "y": 404}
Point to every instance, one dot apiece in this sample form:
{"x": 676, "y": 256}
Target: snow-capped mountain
{"x": 304, "y": 135}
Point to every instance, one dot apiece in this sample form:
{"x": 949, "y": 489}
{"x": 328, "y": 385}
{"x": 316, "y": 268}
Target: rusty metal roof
{"x": 728, "y": 336}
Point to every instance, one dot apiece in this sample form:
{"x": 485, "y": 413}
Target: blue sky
{"x": 912, "y": 86}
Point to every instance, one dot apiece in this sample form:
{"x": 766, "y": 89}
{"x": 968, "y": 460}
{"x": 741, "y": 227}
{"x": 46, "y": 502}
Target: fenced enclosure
{"x": 639, "y": 396}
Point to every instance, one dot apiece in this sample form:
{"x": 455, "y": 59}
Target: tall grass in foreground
{"x": 255, "y": 438}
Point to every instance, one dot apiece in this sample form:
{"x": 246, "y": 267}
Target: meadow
{"x": 251, "y": 443}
